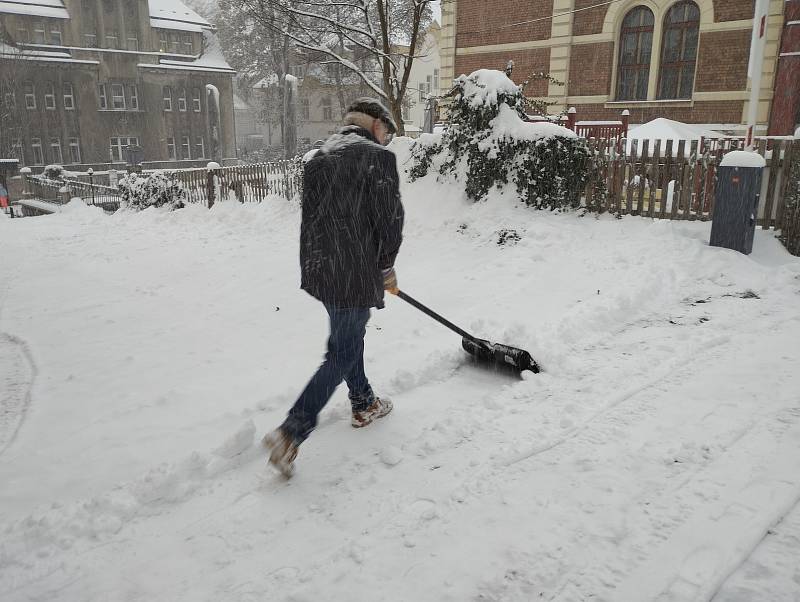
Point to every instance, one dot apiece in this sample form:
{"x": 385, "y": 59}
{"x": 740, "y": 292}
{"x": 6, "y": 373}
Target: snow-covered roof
{"x": 175, "y": 25}
{"x": 42, "y": 55}
{"x": 667, "y": 129}
{"x": 39, "y": 8}
{"x": 266, "y": 82}
{"x": 239, "y": 103}
{"x": 173, "y": 14}
{"x": 212, "y": 59}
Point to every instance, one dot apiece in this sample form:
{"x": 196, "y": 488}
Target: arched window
{"x": 679, "y": 51}
{"x": 635, "y": 47}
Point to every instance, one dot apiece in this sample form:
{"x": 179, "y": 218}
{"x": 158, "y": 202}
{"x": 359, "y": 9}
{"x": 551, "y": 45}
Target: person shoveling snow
{"x": 352, "y": 223}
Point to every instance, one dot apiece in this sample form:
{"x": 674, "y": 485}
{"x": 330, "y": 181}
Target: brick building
{"x": 682, "y": 59}
{"x": 82, "y": 80}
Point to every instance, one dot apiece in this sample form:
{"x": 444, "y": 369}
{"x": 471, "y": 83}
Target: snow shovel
{"x": 491, "y": 354}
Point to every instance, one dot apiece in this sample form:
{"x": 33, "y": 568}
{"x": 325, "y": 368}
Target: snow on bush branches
{"x": 156, "y": 189}
{"x": 489, "y": 143}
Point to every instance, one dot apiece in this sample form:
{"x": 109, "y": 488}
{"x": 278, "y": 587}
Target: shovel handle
{"x": 444, "y": 321}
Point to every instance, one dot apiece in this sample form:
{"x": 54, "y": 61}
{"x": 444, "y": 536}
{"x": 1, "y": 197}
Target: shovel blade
{"x": 500, "y": 356}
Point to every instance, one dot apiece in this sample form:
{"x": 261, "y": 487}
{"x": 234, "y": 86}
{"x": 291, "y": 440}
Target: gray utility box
{"x": 733, "y": 225}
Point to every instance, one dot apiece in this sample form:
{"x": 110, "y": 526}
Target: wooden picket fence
{"x": 789, "y": 221}
{"x": 244, "y": 183}
{"x": 661, "y": 179}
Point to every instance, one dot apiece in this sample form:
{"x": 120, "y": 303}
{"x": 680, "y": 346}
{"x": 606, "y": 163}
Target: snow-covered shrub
{"x": 488, "y": 143}
{"x": 157, "y": 189}
{"x": 54, "y": 172}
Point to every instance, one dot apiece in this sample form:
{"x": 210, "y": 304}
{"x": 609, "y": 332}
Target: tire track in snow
{"x": 687, "y": 566}
{"x": 619, "y": 399}
{"x": 17, "y": 373}
{"x": 770, "y": 567}
{"x": 684, "y": 494}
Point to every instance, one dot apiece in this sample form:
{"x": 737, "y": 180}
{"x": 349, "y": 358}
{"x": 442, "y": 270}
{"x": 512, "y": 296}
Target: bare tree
{"x": 258, "y": 53}
{"x": 15, "y": 119}
{"x": 377, "y": 40}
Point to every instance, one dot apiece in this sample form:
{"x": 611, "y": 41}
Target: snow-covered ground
{"x": 142, "y": 356}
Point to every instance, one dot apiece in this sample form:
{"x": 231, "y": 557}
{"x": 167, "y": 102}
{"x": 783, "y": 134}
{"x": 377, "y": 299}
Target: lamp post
{"x": 90, "y": 171}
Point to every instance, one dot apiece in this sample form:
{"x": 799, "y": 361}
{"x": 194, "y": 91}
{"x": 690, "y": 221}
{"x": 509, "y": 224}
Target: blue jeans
{"x": 343, "y": 361}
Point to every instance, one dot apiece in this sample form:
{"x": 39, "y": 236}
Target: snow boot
{"x": 283, "y": 451}
{"x": 378, "y": 409}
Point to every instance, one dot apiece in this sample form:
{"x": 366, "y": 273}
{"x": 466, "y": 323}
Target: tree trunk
{"x": 397, "y": 113}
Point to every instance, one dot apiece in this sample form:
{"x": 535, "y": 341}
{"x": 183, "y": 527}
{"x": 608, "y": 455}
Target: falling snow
{"x": 142, "y": 355}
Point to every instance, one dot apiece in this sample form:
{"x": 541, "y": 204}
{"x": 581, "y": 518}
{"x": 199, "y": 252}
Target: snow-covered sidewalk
{"x": 646, "y": 463}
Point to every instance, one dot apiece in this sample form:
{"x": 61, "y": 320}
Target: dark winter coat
{"x": 352, "y": 220}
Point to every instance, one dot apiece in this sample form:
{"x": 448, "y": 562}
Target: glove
{"x": 390, "y": 280}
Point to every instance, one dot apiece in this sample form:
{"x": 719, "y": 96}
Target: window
{"x": 55, "y": 36}
{"x": 55, "y": 151}
{"x": 636, "y": 44}
{"x": 196, "y": 100}
{"x": 332, "y": 70}
{"x": 118, "y": 146}
{"x": 74, "y": 150}
{"x": 112, "y": 40}
{"x": 186, "y": 148}
{"x": 30, "y": 96}
{"x": 49, "y": 97}
{"x": 134, "y": 97}
{"x": 39, "y": 33}
{"x": 679, "y": 51}
{"x": 90, "y": 40}
{"x": 305, "y": 113}
{"x": 182, "y": 101}
{"x": 10, "y": 99}
{"x": 163, "y": 44}
{"x": 23, "y": 37}
{"x": 167, "y": 98}
{"x": 17, "y": 150}
{"x": 406, "y": 111}
{"x": 423, "y": 91}
{"x": 200, "y": 148}
{"x": 188, "y": 47}
{"x": 38, "y": 154}
{"x": 101, "y": 93}
{"x": 435, "y": 81}
{"x": 133, "y": 43}
{"x": 118, "y": 97}
{"x": 69, "y": 96}
{"x": 174, "y": 43}
{"x": 171, "y": 149}
{"x": 327, "y": 109}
